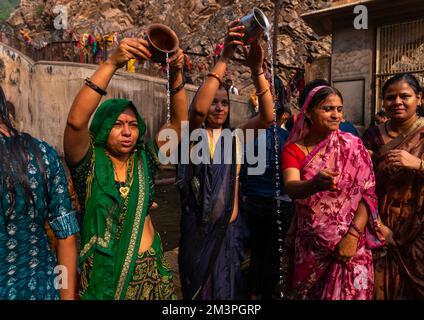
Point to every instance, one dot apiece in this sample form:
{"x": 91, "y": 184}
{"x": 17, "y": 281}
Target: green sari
{"x": 112, "y": 227}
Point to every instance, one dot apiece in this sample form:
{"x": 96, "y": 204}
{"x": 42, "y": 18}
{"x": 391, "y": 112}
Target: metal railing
{"x": 400, "y": 48}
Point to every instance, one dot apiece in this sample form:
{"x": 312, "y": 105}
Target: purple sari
{"x": 211, "y": 249}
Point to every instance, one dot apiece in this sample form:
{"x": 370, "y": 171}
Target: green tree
{"x": 6, "y": 8}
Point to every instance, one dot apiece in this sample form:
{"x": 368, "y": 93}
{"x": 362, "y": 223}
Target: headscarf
{"x": 301, "y": 127}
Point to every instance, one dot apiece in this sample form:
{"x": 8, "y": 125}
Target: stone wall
{"x": 318, "y": 69}
{"x": 42, "y": 93}
{"x": 352, "y": 72}
{"x": 200, "y": 24}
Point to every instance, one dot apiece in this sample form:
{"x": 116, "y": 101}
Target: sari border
{"x": 135, "y": 234}
{"x": 103, "y": 242}
{"x": 400, "y": 140}
{"x": 314, "y": 152}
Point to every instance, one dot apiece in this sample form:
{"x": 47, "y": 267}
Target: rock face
{"x": 200, "y": 24}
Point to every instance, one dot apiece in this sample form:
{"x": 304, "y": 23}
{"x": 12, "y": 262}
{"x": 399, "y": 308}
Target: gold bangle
{"x": 214, "y": 75}
{"x": 258, "y": 94}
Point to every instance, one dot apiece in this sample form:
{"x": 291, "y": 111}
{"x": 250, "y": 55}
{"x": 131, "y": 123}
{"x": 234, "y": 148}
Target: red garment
{"x": 292, "y": 156}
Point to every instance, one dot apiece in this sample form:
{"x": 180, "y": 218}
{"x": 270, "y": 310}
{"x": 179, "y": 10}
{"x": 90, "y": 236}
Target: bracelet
{"x": 262, "y": 92}
{"x": 258, "y": 74}
{"x": 214, "y": 75}
{"x": 90, "y": 84}
{"x": 177, "y": 89}
{"x": 354, "y": 235}
{"x": 361, "y": 234}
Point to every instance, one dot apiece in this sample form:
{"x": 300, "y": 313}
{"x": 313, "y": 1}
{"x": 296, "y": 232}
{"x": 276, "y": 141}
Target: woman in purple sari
{"x": 329, "y": 174}
{"x": 212, "y": 228}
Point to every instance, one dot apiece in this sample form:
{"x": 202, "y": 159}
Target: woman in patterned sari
{"x": 112, "y": 167}
{"x": 329, "y": 174}
{"x": 397, "y": 149}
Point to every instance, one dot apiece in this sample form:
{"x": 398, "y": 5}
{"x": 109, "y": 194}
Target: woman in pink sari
{"x": 329, "y": 174}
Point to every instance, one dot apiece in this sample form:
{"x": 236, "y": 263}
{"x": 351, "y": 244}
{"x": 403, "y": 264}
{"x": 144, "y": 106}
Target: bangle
{"x": 361, "y": 234}
{"x": 177, "y": 89}
{"x": 421, "y": 166}
{"x": 262, "y": 92}
{"x": 354, "y": 235}
{"x": 214, "y": 75}
{"x": 90, "y": 84}
{"x": 257, "y": 74}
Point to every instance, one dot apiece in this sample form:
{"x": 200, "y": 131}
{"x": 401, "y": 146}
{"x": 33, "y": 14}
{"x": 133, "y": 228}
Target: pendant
{"x": 124, "y": 191}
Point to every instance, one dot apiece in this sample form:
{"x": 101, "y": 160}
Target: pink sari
{"x": 324, "y": 218}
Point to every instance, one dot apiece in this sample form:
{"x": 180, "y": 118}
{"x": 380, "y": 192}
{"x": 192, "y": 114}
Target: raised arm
{"x": 255, "y": 60}
{"x": 207, "y": 91}
{"x": 179, "y": 101}
{"x": 76, "y": 138}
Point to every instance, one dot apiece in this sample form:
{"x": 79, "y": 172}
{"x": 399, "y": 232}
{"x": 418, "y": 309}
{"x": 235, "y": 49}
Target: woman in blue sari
{"x": 212, "y": 228}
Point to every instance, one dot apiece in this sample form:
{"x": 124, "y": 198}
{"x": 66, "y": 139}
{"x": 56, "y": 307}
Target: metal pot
{"x": 255, "y": 25}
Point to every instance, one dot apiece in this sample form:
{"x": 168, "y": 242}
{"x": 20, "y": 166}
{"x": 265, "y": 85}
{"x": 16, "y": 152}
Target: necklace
{"x": 307, "y": 149}
{"x": 124, "y": 188}
{"x": 306, "y": 146}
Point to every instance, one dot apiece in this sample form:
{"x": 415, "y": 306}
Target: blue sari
{"x": 211, "y": 249}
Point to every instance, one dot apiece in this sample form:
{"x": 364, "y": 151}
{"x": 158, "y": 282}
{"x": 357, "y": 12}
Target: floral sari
{"x": 324, "y": 218}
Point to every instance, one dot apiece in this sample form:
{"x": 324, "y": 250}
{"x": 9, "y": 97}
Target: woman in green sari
{"x": 112, "y": 168}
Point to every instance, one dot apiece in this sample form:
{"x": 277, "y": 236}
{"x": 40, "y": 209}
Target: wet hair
{"x": 282, "y": 110}
{"x": 290, "y": 123}
{"x": 15, "y": 157}
{"x": 410, "y": 79}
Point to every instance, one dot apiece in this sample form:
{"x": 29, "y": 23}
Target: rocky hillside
{"x": 200, "y": 25}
